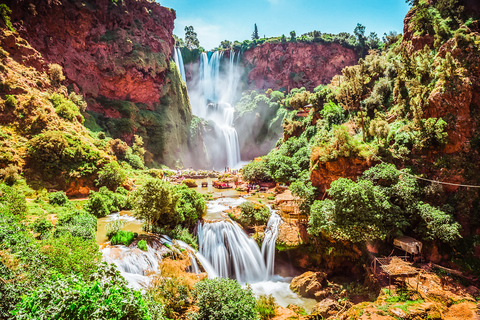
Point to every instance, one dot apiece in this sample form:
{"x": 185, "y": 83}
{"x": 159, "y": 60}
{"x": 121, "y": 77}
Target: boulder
{"x": 310, "y": 285}
{"x": 326, "y": 308}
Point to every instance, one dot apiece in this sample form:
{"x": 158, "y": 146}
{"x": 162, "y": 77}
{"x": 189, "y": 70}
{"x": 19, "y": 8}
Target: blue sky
{"x": 217, "y": 20}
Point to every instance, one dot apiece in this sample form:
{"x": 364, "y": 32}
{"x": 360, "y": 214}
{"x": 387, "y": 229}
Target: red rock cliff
{"x": 294, "y": 65}
{"x": 119, "y": 51}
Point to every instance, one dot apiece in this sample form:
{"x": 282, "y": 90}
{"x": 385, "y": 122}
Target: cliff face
{"x": 117, "y": 55}
{"x": 294, "y": 65}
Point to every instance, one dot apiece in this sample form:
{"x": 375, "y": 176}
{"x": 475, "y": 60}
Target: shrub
{"x": 119, "y": 148}
{"x": 191, "y": 206}
{"x": 142, "y": 245}
{"x": 56, "y": 152}
{"x": 190, "y": 183}
{"x": 78, "y": 223}
{"x": 223, "y": 299}
{"x": 113, "y": 227}
{"x": 10, "y": 101}
{"x": 104, "y": 202}
{"x": 42, "y": 226}
{"x": 65, "y": 108}
{"x": 11, "y": 201}
{"x": 266, "y": 306}
{"x": 5, "y": 12}
{"x": 254, "y": 213}
{"x": 155, "y": 173}
{"x": 78, "y": 100}
{"x": 55, "y": 72}
{"x": 10, "y": 174}
{"x": 123, "y": 237}
{"x": 135, "y": 161}
{"x": 257, "y": 171}
{"x": 58, "y": 198}
{"x": 111, "y": 176}
{"x": 71, "y": 297}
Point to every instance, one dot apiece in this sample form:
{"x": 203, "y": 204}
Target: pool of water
{"x": 131, "y": 224}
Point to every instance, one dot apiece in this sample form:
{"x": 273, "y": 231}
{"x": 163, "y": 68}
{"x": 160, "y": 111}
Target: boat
{"x": 221, "y": 185}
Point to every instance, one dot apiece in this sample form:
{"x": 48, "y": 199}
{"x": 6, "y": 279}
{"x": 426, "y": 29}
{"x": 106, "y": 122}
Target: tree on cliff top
{"x": 255, "y": 33}
{"x": 191, "y": 39}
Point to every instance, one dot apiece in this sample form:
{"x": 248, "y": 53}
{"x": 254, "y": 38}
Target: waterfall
{"x": 177, "y": 57}
{"x": 218, "y": 87}
{"x": 268, "y": 245}
{"x": 232, "y": 254}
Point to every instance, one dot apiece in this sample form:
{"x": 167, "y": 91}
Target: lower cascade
{"x": 232, "y": 254}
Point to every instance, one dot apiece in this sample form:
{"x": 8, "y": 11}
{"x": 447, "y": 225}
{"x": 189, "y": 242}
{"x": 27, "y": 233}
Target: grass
{"x": 123, "y": 237}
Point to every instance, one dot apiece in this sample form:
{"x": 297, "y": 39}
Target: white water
{"x": 212, "y": 98}
{"x": 177, "y": 57}
{"x": 134, "y": 264}
{"x": 268, "y": 245}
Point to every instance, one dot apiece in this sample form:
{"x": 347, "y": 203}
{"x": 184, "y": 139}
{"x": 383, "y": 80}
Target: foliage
{"x": 122, "y": 237}
{"x": 190, "y": 183}
{"x": 42, "y": 226}
{"x": 223, "y": 299}
{"x": 113, "y": 227}
{"x": 305, "y": 192}
{"x": 10, "y": 101}
{"x": 78, "y": 223}
{"x": 11, "y": 201}
{"x": 142, "y": 245}
{"x": 111, "y": 176}
{"x": 56, "y": 153}
{"x": 65, "y": 108}
{"x": 333, "y": 114}
{"x": 5, "y": 12}
{"x": 156, "y": 202}
{"x": 256, "y": 171}
{"x": 225, "y": 44}
{"x": 71, "y": 297}
{"x": 384, "y": 202}
{"x": 266, "y": 306}
{"x": 255, "y": 33}
{"x": 135, "y": 161}
{"x": 254, "y": 213}
{"x": 104, "y": 202}
{"x": 57, "y": 198}
{"x": 190, "y": 207}
{"x": 55, "y": 71}
{"x": 10, "y": 174}
{"x": 191, "y": 40}
{"x": 69, "y": 254}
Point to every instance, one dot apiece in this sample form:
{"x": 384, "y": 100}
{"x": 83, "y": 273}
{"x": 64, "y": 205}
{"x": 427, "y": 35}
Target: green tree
{"x": 224, "y": 299}
{"x": 191, "y": 40}
{"x": 257, "y": 171}
{"x": 111, "y": 176}
{"x": 156, "y": 201}
{"x": 255, "y": 32}
{"x": 293, "y": 36}
{"x": 373, "y": 41}
{"x": 359, "y": 32}
{"x": 225, "y": 44}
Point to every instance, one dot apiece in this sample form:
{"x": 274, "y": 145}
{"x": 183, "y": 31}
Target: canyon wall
{"x": 294, "y": 65}
{"x": 116, "y": 54}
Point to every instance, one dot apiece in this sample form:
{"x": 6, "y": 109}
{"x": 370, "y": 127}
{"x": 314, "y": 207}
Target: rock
{"x": 273, "y": 64}
{"x": 310, "y": 284}
{"x": 326, "y": 308}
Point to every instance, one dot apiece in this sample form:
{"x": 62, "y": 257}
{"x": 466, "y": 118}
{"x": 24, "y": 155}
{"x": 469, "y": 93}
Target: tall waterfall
{"x": 177, "y": 57}
{"x": 232, "y": 254}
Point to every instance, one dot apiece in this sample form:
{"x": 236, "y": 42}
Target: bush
{"x": 191, "y": 206}
{"x": 223, "y": 299}
{"x": 65, "y": 108}
{"x": 111, "y": 176}
{"x": 77, "y": 223}
{"x": 104, "y": 202}
{"x": 11, "y": 201}
{"x": 42, "y": 226}
{"x": 266, "y": 306}
{"x": 58, "y": 198}
{"x": 113, "y": 227}
{"x": 190, "y": 183}
{"x": 71, "y": 297}
{"x": 55, "y": 72}
{"x": 10, "y": 174}
{"x": 55, "y": 152}
{"x": 10, "y": 101}
{"x": 122, "y": 237}
{"x": 257, "y": 171}
{"x": 142, "y": 245}
{"x": 134, "y": 161}
{"x": 254, "y": 213}
{"x": 119, "y": 148}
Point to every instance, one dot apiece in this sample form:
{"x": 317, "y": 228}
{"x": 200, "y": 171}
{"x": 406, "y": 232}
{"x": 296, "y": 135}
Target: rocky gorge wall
{"x": 294, "y": 65}
{"x": 117, "y": 55}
